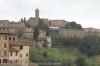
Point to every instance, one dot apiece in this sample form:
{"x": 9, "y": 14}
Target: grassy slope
{"x": 54, "y": 54}
{"x": 61, "y": 56}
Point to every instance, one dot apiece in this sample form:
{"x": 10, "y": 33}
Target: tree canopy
{"x": 40, "y": 26}
{"x": 73, "y": 25}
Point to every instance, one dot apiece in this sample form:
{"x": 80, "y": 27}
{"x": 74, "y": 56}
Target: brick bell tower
{"x": 37, "y": 13}
{"x": 37, "y": 16}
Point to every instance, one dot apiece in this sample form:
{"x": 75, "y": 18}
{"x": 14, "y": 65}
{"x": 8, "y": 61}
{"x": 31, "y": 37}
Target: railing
{"x": 32, "y": 64}
{"x": 46, "y": 64}
{"x": 19, "y": 64}
{"x": 10, "y": 65}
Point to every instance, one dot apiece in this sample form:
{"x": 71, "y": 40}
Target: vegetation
{"x": 89, "y": 45}
{"x": 64, "y": 56}
{"x": 73, "y": 25}
{"x": 52, "y": 55}
{"x": 23, "y": 20}
{"x": 40, "y": 26}
{"x": 43, "y": 26}
{"x": 36, "y": 33}
{"x": 80, "y": 62}
{"x": 69, "y": 51}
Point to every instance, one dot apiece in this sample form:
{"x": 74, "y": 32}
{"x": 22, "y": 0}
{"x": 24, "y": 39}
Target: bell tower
{"x": 37, "y": 16}
{"x": 37, "y": 13}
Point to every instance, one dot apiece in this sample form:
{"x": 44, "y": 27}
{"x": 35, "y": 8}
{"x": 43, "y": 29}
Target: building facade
{"x": 12, "y": 49}
{"x": 4, "y": 47}
{"x": 33, "y": 21}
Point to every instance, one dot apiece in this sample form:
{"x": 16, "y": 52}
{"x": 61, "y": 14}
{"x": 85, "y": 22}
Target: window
{"x": 16, "y": 61}
{"x": 3, "y": 28}
{"x": 5, "y": 53}
{"x": 10, "y": 53}
{"x": 10, "y": 61}
{"x": 5, "y": 37}
{"x": 0, "y": 37}
{"x": 13, "y": 38}
{"x": 16, "y": 53}
{"x": 21, "y": 47}
{"x": 20, "y": 55}
{"x": 5, "y": 60}
{"x": 5, "y": 45}
{"x": 7, "y": 28}
{"x": 26, "y": 54}
{"x": 0, "y": 61}
{"x": 9, "y": 38}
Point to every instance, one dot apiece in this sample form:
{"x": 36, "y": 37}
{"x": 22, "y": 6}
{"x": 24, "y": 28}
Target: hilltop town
{"x": 16, "y": 38}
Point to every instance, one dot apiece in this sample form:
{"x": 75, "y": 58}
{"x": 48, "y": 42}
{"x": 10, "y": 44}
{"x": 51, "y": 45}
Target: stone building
{"x": 71, "y": 33}
{"x": 18, "y": 50}
{"x": 58, "y": 23}
{"x": 12, "y": 49}
{"x": 78, "y": 33}
{"x": 7, "y": 25}
{"x": 4, "y": 46}
{"x": 32, "y": 21}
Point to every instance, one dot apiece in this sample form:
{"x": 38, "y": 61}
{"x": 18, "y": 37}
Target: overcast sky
{"x": 85, "y": 12}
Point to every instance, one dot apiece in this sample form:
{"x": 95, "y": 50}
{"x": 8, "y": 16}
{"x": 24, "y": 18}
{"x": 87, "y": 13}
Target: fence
{"x": 32, "y": 64}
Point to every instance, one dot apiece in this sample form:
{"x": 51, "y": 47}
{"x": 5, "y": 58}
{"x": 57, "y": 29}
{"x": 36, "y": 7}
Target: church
{"x": 32, "y": 21}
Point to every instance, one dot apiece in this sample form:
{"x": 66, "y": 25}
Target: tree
{"x": 25, "y": 20}
{"x": 80, "y": 62}
{"x": 67, "y": 63}
{"x": 43, "y": 26}
{"x": 90, "y": 45}
{"x": 45, "y": 54}
{"x": 20, "y": 34}
{"x": 36, "y": 33}
{"x": 22, "y": 20}
{"x": 73, "y": 25}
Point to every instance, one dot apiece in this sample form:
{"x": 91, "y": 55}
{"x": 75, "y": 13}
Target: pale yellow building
{"x": 58, "y": 23}
{"x": 71, "y": 33}
{"x": 78, "y": 33}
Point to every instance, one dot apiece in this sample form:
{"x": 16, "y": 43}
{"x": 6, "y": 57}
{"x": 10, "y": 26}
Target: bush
{"x": 80, "y": 62}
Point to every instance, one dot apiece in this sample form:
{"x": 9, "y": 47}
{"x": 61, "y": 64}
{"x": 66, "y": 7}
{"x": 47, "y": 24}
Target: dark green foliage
{"x": 71, "y": 42}
{"x": 23, "y": 20}
{"x": 73, "y": 25}
{"x": 36, "y": 32}
{"x": 45, "y": 54}
{"x": 55, "y": 37}
{"x": 67, "y": 63}
{"x": 43, "y": 26}
{"x": 80, "y": 62}
{"x": 90, "y": 45}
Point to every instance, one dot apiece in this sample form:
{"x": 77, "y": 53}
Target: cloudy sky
{"x": 85, "y": 12}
